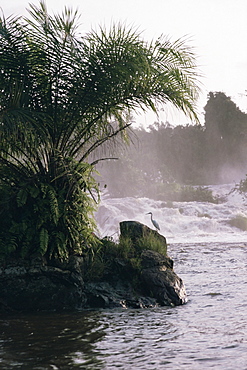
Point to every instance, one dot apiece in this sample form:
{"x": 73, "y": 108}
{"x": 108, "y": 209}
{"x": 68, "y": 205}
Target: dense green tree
{"x": 158, "y": 160}
{"x": 62, "y": 97}
{"x": 226, "y": 134}
{"x": 165, "y": 157}
{"x": 223, "y": 118}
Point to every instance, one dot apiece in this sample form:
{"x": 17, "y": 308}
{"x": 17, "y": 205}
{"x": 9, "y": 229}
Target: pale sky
{"x": 216, "y": 29}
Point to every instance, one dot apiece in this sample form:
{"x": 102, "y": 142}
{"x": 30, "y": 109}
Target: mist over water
{"x": 179, "y": 221}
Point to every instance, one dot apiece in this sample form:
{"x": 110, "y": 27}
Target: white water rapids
{"x": 179, "y": 222}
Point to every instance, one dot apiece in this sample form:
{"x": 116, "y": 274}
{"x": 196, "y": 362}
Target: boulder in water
{"x": 161, "y": 281}
{"x": 38, "y": 284}
{"x": 158, "y": 284}
{"x": 136, "y": 230}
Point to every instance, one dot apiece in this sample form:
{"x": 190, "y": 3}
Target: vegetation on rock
{"x": 62, "y": 97}
{"x": 126, "y": 254}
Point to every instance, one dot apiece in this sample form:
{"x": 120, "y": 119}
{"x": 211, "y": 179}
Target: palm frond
{"x": 62, "y": 98}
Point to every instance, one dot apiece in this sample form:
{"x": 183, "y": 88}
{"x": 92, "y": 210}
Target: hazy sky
{"x": 217, "y": 29}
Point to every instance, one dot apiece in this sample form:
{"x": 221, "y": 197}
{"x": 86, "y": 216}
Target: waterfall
{"x": 180, "y": 221}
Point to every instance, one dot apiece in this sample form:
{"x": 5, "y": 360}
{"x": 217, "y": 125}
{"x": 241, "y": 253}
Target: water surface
{"x": 209, "y": 332}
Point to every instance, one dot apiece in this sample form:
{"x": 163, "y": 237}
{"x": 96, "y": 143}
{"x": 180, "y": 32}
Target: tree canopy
{"x": 62, "y": 96}
{"x": 167, "y": 159}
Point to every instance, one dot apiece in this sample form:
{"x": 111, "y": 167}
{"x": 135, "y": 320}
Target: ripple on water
{"x": 208, "y": 332}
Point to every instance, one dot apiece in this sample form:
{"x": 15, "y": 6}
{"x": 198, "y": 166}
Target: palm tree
{"x": 62, "y": 96}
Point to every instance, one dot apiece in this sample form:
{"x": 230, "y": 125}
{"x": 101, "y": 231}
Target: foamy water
{"x": 179, "y": 221}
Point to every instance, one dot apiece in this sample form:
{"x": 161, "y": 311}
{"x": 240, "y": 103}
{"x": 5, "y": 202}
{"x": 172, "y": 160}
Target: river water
{"x": 209, "y": 332}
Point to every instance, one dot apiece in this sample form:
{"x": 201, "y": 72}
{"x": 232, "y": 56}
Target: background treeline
{"x": 162, "y": 158}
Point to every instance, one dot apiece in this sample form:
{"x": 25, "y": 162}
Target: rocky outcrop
{"x": 136, "y": 230}
{"x": 158, "y": 285}
{"x": 37, "y": 285}
{"x": 161, "y": 281}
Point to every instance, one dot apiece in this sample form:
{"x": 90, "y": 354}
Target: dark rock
{"x": 37, "y": 285}
{"x": 161, "y": 281}
{"x": 136, "y": 230}
{"x": 153, "y": 259}
{"x": 157, "y": 275}
{"x": 115, "y": 294}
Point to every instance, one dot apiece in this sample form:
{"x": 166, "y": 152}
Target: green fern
{"x": 60, "y": 246}
{"x": 53, "y": 205}
{"x": 47, "y": 187}
{"x": 8, "y": 245}
{"x": 34, "y": 191}
{"x": 21, "y": 197}
{"x": 43, "y": 240}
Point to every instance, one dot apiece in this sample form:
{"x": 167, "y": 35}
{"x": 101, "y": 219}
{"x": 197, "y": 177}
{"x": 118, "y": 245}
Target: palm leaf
{"x": 62, "y": 98}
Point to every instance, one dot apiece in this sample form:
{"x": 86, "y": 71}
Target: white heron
{"x": 155, "y": 223}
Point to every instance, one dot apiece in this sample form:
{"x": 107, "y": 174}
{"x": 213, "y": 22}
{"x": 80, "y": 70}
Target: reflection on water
{"x": 207, "y": 333}
{"x": 50, "y": 341}
{"x": 87, "y": 340}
